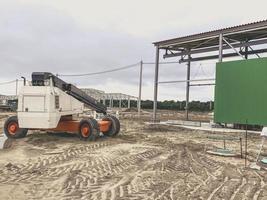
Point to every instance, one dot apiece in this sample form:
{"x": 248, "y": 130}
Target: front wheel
{"x": 12, "y": 130}
{"x": 86, "y": 130}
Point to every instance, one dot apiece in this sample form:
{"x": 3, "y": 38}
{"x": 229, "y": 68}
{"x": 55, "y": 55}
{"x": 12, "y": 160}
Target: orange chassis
{"x": 73, "y": 126}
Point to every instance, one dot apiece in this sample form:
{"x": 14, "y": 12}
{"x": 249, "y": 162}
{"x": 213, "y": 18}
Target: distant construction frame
{"x": 192, "y": 48}
{"x": 102, "y": 97}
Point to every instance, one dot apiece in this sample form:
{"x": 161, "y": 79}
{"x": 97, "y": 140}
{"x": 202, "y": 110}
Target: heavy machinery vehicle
{"x": 49, "y": 103}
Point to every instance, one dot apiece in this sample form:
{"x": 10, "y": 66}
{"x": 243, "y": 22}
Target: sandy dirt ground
{"x": 143, "y": 162}
{"x": 166, "y": 115}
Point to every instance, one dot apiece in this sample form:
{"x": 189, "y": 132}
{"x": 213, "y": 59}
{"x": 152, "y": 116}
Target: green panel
{"x": 241, "y": 92}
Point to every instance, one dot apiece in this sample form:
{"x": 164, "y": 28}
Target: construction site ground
{"x": 143, "y": 162}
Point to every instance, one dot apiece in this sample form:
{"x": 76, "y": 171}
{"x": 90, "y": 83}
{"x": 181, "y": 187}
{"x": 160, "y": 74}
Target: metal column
{"x": 188, "y": 87}
{"x": 120, "y": 102}
{"x": 140, "y": 87}
{"x": 156, "y": 85}
{"x": 16, "y": 87}
{"x": 220, "y": 48}
{"x": 246, "y": 52}
{"x": 129, "y": 102}
{"x": 110, "y": 102}
{"x": 211, "y": 105}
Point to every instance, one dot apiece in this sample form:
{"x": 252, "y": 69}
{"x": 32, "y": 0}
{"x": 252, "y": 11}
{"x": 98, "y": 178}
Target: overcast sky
{"x": 84, "y": 36}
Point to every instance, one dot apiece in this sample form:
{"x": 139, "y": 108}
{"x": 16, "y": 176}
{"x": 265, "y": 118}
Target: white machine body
{"x": 41, "y": 107}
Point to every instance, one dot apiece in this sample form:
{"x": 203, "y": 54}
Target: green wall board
{"x": 241, "y": 92}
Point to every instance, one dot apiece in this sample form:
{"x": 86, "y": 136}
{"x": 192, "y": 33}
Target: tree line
{"x": 169, "y": 105}
{"x": 179, "y": 105}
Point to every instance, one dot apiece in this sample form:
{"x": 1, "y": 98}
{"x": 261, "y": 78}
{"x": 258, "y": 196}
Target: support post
{"x": 211, "y": 105}
{"x": 246, "y": 143}
{"x": 110, "y": 102}
{"x": 187, "y": 88}
{"x": 156, "y": 85}
{"x": 129, "y": 102}
{"x": 120, "y": 102}
{"x": 16, "y": 87}
{"x": 241, "y": 151}
{"x": 104, "y": 100}
{"x": 220, "y": 47}
{"x": 140, "y": 87}
{"x": 246, "y": 52}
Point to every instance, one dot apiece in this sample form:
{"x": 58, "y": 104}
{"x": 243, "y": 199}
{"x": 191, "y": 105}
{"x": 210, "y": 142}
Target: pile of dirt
{"x": 131, "y": 110}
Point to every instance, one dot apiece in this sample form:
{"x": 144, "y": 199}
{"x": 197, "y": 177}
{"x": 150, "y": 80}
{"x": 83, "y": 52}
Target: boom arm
{"x": 39, "y": 79}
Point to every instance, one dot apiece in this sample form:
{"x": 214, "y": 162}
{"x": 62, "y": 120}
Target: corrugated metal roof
{"x": 209, "y": 34}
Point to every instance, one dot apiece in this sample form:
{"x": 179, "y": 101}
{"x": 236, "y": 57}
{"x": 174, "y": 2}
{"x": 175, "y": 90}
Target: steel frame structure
{"x": 212, "y": 44}
{"x": 8, "y": 97}
{"x": 121, "y": 97}
{"x": 100, "y": 95}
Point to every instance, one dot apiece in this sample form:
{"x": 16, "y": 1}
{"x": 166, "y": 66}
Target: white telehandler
{"x": 49, "y": 103}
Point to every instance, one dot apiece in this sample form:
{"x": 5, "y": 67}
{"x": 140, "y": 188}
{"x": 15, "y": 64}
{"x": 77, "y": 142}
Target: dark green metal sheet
{"x": 241, "y": 92}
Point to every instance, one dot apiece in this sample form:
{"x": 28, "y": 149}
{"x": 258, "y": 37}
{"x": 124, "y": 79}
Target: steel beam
{"x": 211, "y": 105}
{"x": 216, "y": 48}
{"x": 129, "y": 102}
{"x": 182, "y": 81}
{"x": 220, "y": 47}
{"x": 140, "y": 87}
{"x": 156, "y": 85}
{"x": 16, "y": 87}
{"x": 233, "y": 48}
{"x": 212, "y": 57}
{"x": 204, "y": 84}
{"x": 12, "y": 97}
{"x": 246, "y": 52}
{"x": 227, "y": 32}
{"x": 187, "y": 88}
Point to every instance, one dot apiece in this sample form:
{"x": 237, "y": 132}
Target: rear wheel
{"x": 114, "y": 128}
{"x": 12, "y": 130}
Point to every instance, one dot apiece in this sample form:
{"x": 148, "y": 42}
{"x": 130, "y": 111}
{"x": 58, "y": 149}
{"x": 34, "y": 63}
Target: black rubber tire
{"x": 115, "y": 126}
{"x": 89, "y": 123}
{"x": 20, "y": 133}
{"x": 96, "y": 130}
{"x": 118, "y": 124}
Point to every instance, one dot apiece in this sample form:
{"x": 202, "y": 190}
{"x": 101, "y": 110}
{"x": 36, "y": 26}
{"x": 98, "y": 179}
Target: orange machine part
{"x": 104, "y": 126}
{"x": 67, "y": 126}
{"x": 73, "y": 126}
{"x": 85, "y": 130}
{"x": 12, "y": 128}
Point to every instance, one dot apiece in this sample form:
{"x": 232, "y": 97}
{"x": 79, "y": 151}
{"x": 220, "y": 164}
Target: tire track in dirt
{"x": 262, "y": 185}
{"x": 118, "y": 169}
{"x": 217, "y": 188}
{"x": 96, "y": 177}
{"x": 240, "y": 185}
{"x": 128, "y": 186}
{"x": 249, "y": 186}
{"x": 33, "y": 170}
